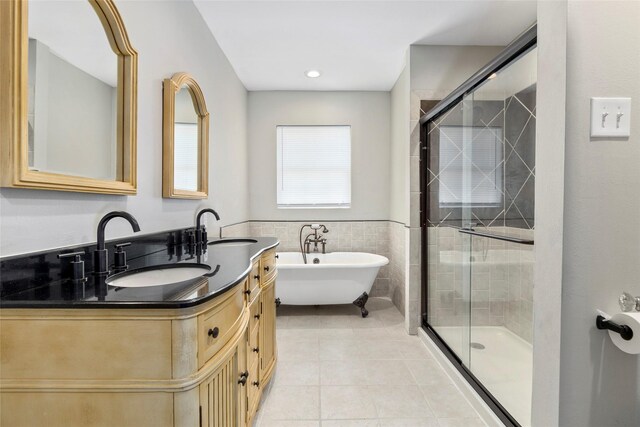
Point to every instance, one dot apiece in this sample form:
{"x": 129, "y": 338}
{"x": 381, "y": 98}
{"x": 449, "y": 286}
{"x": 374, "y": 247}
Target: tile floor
{"x": 338, "y": 369}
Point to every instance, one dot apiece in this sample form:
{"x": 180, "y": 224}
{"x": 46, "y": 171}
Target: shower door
{"x": 478, "y": 186}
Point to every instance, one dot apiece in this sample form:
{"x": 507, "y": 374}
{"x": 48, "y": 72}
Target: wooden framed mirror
{"x": 69, "y": 103}
{"x": 185, "y": 136}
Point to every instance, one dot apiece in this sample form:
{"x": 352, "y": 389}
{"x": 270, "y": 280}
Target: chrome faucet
{"x": 201, "y": 231}
{"x": 313, "y": 237}
{"x": 101, "y": 255}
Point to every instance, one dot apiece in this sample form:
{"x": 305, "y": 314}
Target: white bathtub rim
{"x": 375, "y": 261}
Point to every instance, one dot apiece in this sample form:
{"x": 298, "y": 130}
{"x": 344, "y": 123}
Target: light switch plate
{"x": 611, "y": 117}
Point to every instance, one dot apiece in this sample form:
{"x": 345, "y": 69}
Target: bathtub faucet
{"x": 313, "y": 237}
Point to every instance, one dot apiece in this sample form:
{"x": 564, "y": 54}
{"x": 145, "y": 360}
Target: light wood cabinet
{"x": 268, "y": 329}
{"x": 220, "y": 396}
{"x": 152, "y": 367}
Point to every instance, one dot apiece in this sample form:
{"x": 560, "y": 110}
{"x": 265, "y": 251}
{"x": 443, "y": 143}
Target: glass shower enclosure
{"x": 478, "y": 179}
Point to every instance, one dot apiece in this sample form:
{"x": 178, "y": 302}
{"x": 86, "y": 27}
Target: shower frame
{"x": 521, "y": 45}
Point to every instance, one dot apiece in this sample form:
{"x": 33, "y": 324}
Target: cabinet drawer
{"x": 217, "y": 326}
{"x": 268, "y": 262}
{"x": 254, "y": 277}
{"x": 253, "y": 346}
{"x": 254, "y": 309}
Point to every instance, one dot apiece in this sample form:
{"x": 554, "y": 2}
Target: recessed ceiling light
{"x": 312, "y": 74}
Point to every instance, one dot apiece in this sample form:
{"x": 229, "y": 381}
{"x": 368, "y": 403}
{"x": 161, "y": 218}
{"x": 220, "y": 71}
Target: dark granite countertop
{"x": 230, "y": 264}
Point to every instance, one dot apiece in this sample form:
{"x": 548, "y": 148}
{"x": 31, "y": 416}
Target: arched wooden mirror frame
{"x": 171, "y": 87}
{"x": 14, "y": 161}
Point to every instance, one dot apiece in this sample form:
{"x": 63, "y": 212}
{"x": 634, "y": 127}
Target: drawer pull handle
{"x": 243, "y": 378}
{"x": 257, "y": 277}
{"x": 255, "y": 350}
{"x": 277, "y": 256}
{"x": 256, "y": 383}
{"x": 214, "y": 332}
{"x": 257, "y": 317}
{"x": 248, "y": 292}
{"x": 266, "y": 269}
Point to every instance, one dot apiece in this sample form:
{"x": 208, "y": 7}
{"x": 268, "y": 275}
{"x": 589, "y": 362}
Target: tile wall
{"x": 501, "y": 277}
{"x": 397, "y": 266}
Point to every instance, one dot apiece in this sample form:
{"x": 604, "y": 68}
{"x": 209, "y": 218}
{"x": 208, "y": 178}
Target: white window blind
{"x": 185, "y": 156}
{"x": 475, "y": 178}
{"x": 314, "y": 166}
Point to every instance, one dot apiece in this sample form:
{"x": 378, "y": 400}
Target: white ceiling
{"x": 358, "y": 45}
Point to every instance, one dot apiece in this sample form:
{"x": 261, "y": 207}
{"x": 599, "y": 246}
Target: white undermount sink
{"x": 157, "y": 276}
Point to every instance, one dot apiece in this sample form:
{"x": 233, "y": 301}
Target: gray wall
{"x": 80, "y": 133}
{"x": 171, "y": 36}
{"x": 368, "y": 113}
{"x": 599, "y": 384}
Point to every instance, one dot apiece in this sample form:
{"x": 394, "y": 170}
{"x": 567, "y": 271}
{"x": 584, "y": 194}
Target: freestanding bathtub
{"x": 333, "y": 278}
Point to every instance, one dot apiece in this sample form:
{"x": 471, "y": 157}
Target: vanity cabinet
{"x": 268, "y": 329}
{"x": 221, "y": 394}
{"x": 205, "y": 365}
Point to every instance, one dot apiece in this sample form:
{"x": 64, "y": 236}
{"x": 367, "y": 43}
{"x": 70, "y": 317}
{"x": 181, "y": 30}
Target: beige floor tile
{"x": 411, "y": 348}
{"x": 333, "y": 349}
{"x": 303, "y": 322}
{"x": 335, "y": 321}
{"x": 409, "y": 422}
{"x": 336, "y": 334}
{"x": 346, "y": 402}
{"x": 372, "y": 333}
{"x": 397, "y": 329}
{"x": 292, "y": 403}
{"x": 400, "y": 402}
{"x": 461, "y": 422}
{"x": 297, "y": 372}
{"x": 427, "y": 372}
{"x": 297, "y": 350}
{"x": 297, "y": 334}
{"x": 358, "y": 322}
{"x": 448, "y": 402}
{"x": 372, "y": 373}
{"x": 364, "y": 372}
{"x": 288, "y": 423}
{"x": 350, "y": 423}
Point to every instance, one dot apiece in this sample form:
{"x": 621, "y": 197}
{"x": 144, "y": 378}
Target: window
{"x": 473, "y": 179}
{"x": 314, "y": 166}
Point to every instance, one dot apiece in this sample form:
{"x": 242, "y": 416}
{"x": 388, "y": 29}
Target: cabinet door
{"x": 219, "y": 396}
{"x": 268, "y": 330}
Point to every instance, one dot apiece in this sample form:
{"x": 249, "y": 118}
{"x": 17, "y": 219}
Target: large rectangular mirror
{"x": 69, "y": 123}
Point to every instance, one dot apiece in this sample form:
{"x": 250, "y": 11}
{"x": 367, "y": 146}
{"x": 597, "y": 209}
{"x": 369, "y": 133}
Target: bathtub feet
{"x": 360, "y": 302}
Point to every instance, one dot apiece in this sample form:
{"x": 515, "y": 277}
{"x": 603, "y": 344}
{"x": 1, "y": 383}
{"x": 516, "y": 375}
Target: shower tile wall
{"x": 520, "y": 153}
{"x": 502, "y": 277}
{"x": 502, "y": 272}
